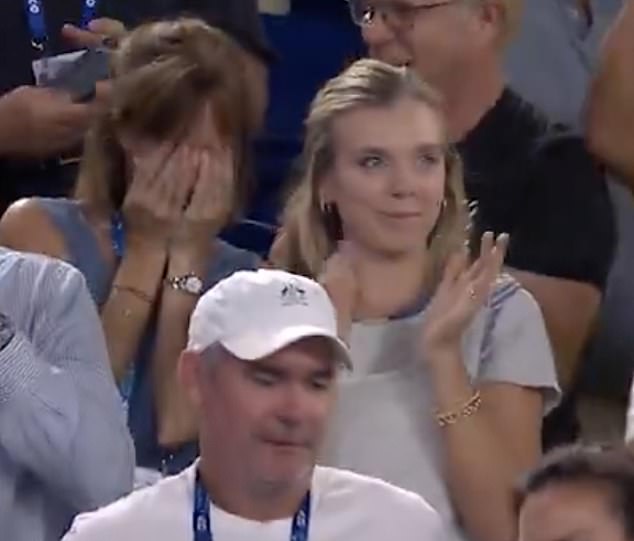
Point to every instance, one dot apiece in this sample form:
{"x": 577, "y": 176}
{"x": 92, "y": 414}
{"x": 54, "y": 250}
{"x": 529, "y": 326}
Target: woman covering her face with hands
{"x": 452, "y": 365}
{"x": 161, "y": 176}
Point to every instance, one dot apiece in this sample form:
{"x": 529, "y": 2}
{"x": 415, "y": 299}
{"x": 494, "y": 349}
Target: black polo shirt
{"x": 536, "y": 181}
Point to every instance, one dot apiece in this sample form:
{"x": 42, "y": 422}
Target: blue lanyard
{"x": 117, "y": 239}
{"x": 117, "y": 235}
{"x": 37, "y": 21}
{"x": 202, "y": 519}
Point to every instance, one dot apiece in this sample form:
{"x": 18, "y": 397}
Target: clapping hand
{"x": 462, "y": 292}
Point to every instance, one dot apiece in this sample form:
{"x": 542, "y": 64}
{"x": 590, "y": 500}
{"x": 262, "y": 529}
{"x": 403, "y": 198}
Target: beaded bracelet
{"x": 467, "y": 410}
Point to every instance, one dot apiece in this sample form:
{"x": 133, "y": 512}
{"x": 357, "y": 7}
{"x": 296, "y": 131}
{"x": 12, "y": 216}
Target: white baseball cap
{"x": 253, "y": 314}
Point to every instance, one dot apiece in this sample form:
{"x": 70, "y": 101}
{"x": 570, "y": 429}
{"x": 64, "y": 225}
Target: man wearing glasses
{"x": 524, "y": 176}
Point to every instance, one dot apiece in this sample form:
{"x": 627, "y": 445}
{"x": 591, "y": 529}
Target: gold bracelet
{"x": 141, "y": 295}
{"x": 467, "y": 410}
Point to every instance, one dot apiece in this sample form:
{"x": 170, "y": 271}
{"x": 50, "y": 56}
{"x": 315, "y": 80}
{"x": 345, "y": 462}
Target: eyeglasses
{"x": 396, "y": 14}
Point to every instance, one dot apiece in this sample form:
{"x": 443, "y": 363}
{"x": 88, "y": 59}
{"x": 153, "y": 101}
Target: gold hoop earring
{"x": 332, "y": 221}
{"x": 442, "y": 206}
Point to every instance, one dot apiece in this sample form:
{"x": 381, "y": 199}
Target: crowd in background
{"x": 439, "y": 294}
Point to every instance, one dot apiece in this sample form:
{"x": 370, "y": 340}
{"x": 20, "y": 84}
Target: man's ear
{"x": 493, "y": 18}
{"x": 189, "y": 375}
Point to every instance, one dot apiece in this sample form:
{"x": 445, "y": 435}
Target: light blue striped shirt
{"x": 64, "y": 444}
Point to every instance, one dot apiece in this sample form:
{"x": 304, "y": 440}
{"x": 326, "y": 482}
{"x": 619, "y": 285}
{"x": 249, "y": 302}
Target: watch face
{"x": 193, "y": 285}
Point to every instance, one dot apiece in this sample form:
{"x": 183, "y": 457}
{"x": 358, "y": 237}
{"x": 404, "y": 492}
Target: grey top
{"x": 83, "y": 248}
{"x": 64, "y": 444}
{"x": 551, "y": 60}
{"x": 383, "y": 422}
{"x": 551, "y": 63}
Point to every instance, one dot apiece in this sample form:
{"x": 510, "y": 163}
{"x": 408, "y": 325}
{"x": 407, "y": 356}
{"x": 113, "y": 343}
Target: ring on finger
{"x": 108, "y": 42}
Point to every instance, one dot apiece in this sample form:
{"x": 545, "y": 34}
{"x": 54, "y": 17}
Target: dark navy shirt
{"x": 536, "y": 181}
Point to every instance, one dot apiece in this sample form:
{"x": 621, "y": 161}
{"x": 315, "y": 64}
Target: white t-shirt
{"x": 383, "y": 424}
{"x": 344, "y": 506}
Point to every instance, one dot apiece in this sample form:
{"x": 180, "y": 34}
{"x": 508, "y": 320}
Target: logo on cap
{"x": 293, "y": 294}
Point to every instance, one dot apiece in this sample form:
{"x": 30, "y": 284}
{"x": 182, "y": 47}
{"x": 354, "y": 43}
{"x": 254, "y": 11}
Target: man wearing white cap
{"x": 261, "y": 365}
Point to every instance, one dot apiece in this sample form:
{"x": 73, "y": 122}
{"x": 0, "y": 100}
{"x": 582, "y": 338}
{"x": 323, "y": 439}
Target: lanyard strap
{"x": 37, "y": 20}
{"x": 117, "y": 235}
{"x": 117, "y": 239}
{"x": 202, "y": 519}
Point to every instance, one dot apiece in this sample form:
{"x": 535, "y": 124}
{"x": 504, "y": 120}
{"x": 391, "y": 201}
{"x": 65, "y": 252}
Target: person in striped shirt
{"x": 64, "y": 444}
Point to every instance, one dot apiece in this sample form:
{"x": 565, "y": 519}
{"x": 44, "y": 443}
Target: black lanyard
{"x": 37, "y": 21}
{"x": 201, "y": 520}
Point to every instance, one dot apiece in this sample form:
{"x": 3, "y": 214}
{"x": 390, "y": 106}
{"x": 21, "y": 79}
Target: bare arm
{"x": 487, "y": 452}
{"x": 487, "y": 449}
{"x": 25, "y": 227}
{"x": 191, "y": 251}
{"x": 130, "y": 303}
{"x": 175, "y": 415}
{"x": 570, "y": 311}
{"x": 610, "y": 111}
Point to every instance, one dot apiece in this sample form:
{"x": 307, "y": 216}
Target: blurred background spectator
{"x": 551, "y": 62}
{"x": 552, "y": 58}
{"x": 610, "y": 111}
{"x": 579, "y": 493}
{"x": 41, "y": 131}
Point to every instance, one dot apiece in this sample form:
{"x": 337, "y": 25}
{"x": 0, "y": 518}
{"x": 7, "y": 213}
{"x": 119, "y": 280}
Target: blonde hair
{"x": 163, "y": 73}
{"x": 307, "y": 240}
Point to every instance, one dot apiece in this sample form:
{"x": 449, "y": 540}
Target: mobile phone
{"x": 80, "y": 77}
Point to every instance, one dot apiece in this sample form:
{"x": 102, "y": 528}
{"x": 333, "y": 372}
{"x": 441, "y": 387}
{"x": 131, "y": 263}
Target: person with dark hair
{"x": 579, "y": 493}
{"x": 161, "y": 175}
